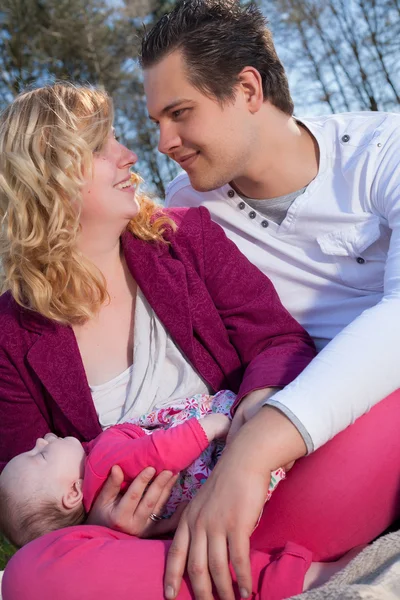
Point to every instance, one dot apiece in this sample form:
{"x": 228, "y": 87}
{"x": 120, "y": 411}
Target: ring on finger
{"x": 155, "y": 517}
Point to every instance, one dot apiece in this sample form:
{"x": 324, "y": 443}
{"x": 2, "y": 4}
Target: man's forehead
{"x": 166, "y": 82}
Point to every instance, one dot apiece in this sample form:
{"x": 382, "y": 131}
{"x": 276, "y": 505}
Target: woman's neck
{"x": 105, "y": 254}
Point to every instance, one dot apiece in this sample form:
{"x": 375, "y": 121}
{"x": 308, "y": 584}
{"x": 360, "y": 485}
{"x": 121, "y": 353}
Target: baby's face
{"x": 53, "y": 464}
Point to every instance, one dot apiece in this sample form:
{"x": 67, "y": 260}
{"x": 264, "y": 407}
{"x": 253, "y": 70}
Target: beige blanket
{"x": 373, "y": 575}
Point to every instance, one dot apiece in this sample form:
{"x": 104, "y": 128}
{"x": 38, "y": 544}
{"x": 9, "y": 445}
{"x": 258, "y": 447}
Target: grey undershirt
{"x": 275, "y": 209}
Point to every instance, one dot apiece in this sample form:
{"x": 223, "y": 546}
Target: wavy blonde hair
{"x": 47, "y": 140}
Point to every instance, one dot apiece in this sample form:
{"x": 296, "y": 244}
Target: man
{"x": 314, "y": 203}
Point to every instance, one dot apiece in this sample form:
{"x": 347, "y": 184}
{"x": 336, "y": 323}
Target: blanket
{"x": 372, "y": 575}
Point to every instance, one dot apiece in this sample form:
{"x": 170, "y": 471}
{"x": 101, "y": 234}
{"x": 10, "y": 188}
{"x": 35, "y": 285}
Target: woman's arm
{"x": 133, "y": 451}
{"x": 21, "y": 421}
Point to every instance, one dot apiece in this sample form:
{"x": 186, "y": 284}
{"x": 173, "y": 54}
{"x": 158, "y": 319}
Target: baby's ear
{"x": 73, "y": 495}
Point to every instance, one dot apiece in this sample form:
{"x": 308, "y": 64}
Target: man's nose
{"x": 169, "y": 139}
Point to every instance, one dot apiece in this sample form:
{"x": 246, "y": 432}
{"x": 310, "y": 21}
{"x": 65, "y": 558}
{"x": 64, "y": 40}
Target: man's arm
{"x": 359, "y": 367}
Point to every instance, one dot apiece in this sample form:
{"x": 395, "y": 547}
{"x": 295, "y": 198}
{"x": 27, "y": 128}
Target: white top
{"x": 327, "y": 260}
{"x": 159, "y": 375}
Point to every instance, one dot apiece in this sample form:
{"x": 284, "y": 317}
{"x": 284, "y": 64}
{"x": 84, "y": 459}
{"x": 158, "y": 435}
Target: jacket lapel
{"x": 55, "y": 356}
{"x": 163, "y": 281}
{"x": 56, "y": 360}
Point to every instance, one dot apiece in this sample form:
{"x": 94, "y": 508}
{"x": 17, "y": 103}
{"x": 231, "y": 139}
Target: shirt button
{"x": 231, "y": 193}
{"x": 252, "y": 214}
{"x": 360, "y": 260}
{"x": 241, "y": 205}
{"x": 345, "y": 138}
{"x": 264, "y": 223}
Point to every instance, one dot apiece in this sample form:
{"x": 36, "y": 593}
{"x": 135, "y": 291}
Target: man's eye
{"x": 177, "y": 113}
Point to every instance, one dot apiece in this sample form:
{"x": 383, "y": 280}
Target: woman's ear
{"x": 73, "y": 496}
{"x": 250, "y": 83}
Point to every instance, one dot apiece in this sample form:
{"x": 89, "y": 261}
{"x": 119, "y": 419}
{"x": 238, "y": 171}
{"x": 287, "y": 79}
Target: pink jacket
{"x": 221, "y": 311}
{"x": 128, "y": 446}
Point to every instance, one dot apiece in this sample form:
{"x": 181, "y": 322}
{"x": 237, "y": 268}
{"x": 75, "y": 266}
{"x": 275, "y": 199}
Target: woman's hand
{"x": 131, "y": 511}
{"x": 218, "y": 522}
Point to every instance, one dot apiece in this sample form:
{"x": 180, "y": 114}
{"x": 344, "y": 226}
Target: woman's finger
{"x": 166, "y": 525}
{"x": 151, "y": 498}
{"x": 130, "y": 502}
{"x": 106, "y": 499}
{"x": 112, "y": 487}
{"x": 164, "y": 496}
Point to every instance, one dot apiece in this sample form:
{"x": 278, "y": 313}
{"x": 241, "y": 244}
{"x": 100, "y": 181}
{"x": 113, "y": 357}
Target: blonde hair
{"x": 47, "y": 140}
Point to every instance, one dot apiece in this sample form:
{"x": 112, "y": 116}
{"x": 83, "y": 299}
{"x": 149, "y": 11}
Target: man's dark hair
{"x": 217, "y": 39}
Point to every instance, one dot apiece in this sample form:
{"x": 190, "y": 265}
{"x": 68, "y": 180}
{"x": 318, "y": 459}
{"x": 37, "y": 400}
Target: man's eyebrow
{"x": 171, "y": 106}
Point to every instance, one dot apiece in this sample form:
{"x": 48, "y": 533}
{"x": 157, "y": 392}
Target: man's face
{"x": 212, "y": 143}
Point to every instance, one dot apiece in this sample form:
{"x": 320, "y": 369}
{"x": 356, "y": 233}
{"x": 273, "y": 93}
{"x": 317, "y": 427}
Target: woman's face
{"x": 109, "y": 197}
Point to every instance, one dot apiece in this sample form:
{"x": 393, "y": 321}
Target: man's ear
{"x": 250, "y": 83}
{"x": 73, "y": 496}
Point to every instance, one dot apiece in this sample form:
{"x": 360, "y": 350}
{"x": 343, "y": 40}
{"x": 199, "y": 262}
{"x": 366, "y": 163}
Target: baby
{"x": 55, "y": 484}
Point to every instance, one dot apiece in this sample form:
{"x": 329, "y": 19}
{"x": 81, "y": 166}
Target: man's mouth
{"x": 186, "y": 160}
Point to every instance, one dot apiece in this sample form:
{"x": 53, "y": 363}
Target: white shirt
{"x": 159, "y": 375}
{"x": 335, "y": 262}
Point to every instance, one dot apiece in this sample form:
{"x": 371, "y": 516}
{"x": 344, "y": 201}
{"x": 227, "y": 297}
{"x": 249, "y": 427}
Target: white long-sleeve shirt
{"x": 335, "y": 262}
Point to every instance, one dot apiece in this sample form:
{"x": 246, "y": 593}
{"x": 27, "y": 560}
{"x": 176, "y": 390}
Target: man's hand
{"x": 248, "y": 407}
{"x": 131, "y": 512}
{"x": 217, "y": 524}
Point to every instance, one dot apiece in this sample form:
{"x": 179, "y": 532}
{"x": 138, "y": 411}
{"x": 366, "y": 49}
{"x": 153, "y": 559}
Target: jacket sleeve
{"x": 272, "y": 346}
{"x": 170, "y": 449}
{"x": 126, "y": 445}
{"x": 21, "y": 421}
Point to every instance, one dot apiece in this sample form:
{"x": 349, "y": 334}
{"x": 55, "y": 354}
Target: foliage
{"x": 340, "y": 55}
{"x": 84, "y": 41}
{"x": 343, "y": 53}
{"x": 6, "y": 551}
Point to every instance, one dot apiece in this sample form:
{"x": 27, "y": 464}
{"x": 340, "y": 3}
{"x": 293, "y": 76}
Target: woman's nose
{"x": 128, "y": 158}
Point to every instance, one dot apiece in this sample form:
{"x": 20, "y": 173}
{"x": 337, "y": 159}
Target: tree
{"x": 84, "y": 41}
{"x": 344, "y": 53}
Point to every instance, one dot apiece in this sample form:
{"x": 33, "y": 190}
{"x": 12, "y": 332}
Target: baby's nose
{"x": 41, "y": 442}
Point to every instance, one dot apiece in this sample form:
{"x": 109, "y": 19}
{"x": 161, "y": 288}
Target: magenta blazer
{"x": 221, "y": 311}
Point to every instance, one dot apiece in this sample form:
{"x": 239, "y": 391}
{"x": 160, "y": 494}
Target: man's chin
{"x": 201, "y": 185}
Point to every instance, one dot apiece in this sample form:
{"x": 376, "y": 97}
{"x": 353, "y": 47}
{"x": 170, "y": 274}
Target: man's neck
{"x": 285, "y": 161}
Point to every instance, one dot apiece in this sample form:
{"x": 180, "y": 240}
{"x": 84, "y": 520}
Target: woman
{"x": 111, "y": 306}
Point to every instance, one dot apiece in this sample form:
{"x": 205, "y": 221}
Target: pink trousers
{"x": 344, "y": 494}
